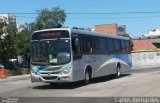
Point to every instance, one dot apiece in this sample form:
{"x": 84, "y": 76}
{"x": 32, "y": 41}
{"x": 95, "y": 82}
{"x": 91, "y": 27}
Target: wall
{"x": 145, "y": 58}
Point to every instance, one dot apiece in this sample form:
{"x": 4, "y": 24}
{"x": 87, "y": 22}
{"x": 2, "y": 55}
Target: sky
{"x": 139, "y": 16}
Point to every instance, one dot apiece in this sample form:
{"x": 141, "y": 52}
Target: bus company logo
{"x": 49, "y": 73}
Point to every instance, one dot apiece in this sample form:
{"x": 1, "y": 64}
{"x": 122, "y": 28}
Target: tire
{"x": 87, "y": 79}
{"x": 118, "y": 73}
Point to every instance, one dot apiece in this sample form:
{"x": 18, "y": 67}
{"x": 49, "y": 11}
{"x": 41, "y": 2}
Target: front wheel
{"x": 87, "y": 79}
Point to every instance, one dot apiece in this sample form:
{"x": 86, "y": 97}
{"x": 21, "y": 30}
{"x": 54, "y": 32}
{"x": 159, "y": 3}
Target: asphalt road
{"x": 139, "y": 82}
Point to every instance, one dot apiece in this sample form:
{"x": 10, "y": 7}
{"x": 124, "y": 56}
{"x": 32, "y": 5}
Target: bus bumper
{"x": 51, "y": 78}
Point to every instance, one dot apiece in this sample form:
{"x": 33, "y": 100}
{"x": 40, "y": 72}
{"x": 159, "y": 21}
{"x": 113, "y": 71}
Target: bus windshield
{"x": 51, "y": 52}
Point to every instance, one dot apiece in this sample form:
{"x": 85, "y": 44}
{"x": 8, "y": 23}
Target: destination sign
{"x": 50, "y": 34}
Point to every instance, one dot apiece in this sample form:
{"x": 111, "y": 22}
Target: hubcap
{"x": 118, "y": 72}
{"x": 87, "y": 76}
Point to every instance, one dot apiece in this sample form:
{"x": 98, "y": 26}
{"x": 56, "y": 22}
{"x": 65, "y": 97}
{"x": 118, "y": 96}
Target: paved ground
{"x": 139, "y": 82}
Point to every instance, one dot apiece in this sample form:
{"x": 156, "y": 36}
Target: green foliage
{"x": 8, "y": 47}
{"x": 53, "y": 18}
{"x": 3, "y": 24}
{"x": 15, "y": 43}
{"x": 126, "y": 35}
{"x": 23, "y": 39}
{"x": 46, "y": 19}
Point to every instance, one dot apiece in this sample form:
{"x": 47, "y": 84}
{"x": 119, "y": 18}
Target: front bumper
{"x": 51, "y": 78}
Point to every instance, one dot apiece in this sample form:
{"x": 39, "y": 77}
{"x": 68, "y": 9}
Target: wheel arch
{"x": 118, "y": 65}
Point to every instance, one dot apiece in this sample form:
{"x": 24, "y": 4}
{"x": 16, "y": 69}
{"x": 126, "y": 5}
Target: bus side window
{"x": 127, "y": 46}
{"x": 117, "y": 45}
{"x": 95, "y": 44}
{"x": 110, "y": 43}
{"x": 123, "y": 46}
{"x": 86, "y": 46}
{"x": 103, "y": 45}
{"x": 76, "y": 48}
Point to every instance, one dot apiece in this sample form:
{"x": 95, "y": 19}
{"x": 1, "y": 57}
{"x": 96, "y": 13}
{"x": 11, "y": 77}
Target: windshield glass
{"x": 52, "y": 52}
{"x": 39, "y": 52}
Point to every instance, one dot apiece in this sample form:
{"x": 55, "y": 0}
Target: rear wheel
{"x": 118, "y": 74}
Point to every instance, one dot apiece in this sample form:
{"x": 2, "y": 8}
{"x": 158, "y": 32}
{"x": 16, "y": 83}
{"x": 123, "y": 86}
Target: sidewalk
{"x": 145, "y": 66}
{"x": 16, "y": 78}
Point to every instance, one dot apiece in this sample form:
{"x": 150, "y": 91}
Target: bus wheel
{"x": 87, "y": 77}
{"x": 118, "y": 74}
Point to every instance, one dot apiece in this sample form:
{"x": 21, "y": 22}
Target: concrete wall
{"x": 145, "y": 58}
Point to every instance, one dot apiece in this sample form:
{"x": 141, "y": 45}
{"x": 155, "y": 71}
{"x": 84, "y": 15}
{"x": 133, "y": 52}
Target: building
{"x": 146, "y": 44}
{"x": 152, "y": 33}
{"x": 114, "y": 29}
{"x": 146, "y": 49}
{"x": 9, "y": 19}
{"x": 149, "y": 41}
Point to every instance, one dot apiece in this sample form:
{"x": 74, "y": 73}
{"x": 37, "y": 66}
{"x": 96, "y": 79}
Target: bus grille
{"x": 50, "y": 78}
{"x": 55, "y": 72}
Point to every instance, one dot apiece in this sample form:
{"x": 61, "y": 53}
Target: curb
{"x": 145, "y": 67}
{"x": 16, "y": 78}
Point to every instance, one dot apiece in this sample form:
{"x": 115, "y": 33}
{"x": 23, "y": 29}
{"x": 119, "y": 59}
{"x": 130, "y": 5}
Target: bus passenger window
{"x": 95, "y": 45}
{"x": 123, "y": 46}
{"x": 110, "y": 44}
{"x": 103, "y": 45}
{"x": 127, "y": 46}
{"x": 88, "y": 48}
{"x": 86, "y": 45}
{"x": 117, "y": 46}
{"x": 76, "y": 47}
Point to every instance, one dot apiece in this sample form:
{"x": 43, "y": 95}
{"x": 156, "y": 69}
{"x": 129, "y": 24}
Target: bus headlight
{"x": 34, "y": 72}
{"x": 66, "y": 70}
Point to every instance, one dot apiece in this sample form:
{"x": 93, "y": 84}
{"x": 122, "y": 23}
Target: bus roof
{"x": 98, "y": 34}
{"x": 79, "y": 31}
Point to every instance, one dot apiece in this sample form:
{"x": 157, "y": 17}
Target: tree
{"x": 8, "y": 47}
{"x": 3, "y": 25}
{"x": 125, "y": 35}
{"x": 23, "y": 40}
{"x": 53, "y": 18}
{"x": 46, "y": 19}
{"x": 14, "y": 43}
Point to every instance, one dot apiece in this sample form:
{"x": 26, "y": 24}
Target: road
{"x": 143, "y": 82}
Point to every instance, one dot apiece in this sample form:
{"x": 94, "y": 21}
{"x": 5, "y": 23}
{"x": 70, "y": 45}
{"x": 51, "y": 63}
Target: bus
{"x": 69, "y": 55}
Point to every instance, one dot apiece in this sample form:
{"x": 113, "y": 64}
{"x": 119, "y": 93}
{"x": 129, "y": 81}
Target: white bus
{"x": 69, "y": 55}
